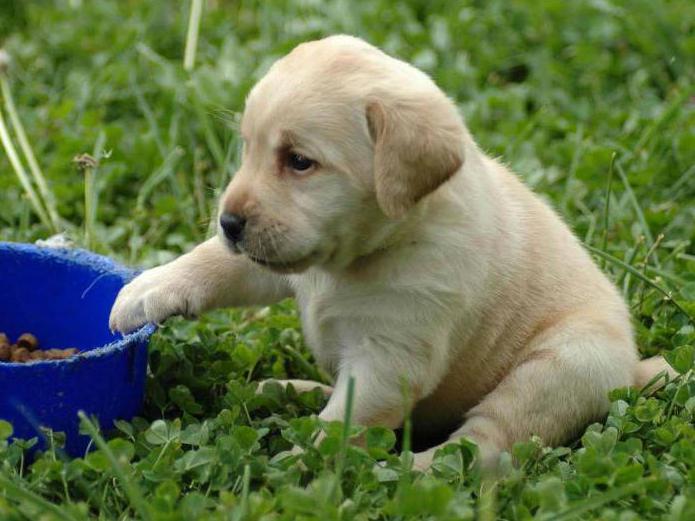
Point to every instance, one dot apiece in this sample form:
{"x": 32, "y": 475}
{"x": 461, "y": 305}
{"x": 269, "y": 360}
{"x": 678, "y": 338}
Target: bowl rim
{"x": 99, "y": 263}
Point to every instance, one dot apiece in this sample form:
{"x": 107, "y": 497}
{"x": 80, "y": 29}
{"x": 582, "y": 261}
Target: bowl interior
{"x": 63, "y": 297}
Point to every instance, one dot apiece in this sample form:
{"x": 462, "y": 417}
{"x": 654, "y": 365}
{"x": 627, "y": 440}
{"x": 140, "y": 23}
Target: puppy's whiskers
{"x": 277, "y": 251}
{"x": 260, "y": 248}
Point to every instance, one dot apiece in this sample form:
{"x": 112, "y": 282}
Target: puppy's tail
{"x": 651, "y": 367}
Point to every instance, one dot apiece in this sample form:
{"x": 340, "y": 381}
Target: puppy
{"x": 415, "y": 259}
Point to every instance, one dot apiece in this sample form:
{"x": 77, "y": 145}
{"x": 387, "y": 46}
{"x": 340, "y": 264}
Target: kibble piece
{"x": 52, "y": 354}
{"x": 21, "y": 354}
{"x": 28, "y": 341}
{"x": 27, "y": 350}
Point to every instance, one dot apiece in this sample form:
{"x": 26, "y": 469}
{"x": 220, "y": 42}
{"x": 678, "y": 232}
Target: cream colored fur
{"x": 414, "y": 258}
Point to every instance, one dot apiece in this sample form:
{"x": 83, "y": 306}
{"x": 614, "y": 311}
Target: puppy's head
{"x": 339, "y": 141}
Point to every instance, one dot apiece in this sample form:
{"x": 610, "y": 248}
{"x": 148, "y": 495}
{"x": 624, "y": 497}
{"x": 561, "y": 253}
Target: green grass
{"x": 591, "y": 102}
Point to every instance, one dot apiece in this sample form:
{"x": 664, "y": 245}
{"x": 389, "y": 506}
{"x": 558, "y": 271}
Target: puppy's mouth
{"x": 280, "y": 266}
{"x": 293, "y": 266}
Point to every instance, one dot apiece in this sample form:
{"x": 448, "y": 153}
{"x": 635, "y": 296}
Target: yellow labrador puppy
{"x": 413, "y": 257}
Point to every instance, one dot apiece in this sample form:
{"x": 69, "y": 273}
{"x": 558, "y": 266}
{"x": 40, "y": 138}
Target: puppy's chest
{"x": 334, "y": 316}
{"x": 340, "y": 318}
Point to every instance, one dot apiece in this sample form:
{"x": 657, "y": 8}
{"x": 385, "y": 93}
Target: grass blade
{"x": 18, "y": 493}
{"x": 347, "y": 424}
{"x": 165, "y": 171}
{"x": 638, "y": 210}
{"x": 137, "y": 501}
{"x": 88, "y": 165}
{"x": 487, "y": 504}
{"x": 636, "y": 273}
{"x": 211, "y": 138}
{"x": 593, "y": 502}
{"x": 148, "y": 114}
{"x": 192, "y": 35}
{"x": 49, "y": 199}
{"x": 606, "y": 207}
{"x": 624, "y": 278}
{"x": 683, "y": 181}
{"x": 22, "y": 175}
{"x": 667, "y": 115}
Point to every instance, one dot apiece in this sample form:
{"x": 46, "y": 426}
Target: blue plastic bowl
{"x": 64, "y": 298}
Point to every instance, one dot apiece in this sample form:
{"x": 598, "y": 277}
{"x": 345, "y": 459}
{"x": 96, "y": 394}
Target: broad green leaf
{"x": 5, "y": 429}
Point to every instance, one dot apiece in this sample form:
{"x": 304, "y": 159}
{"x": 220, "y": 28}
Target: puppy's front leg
{"x": 374, "y": 402}
{"x": 389, "y": 377}
{"x": 208, "y": 277}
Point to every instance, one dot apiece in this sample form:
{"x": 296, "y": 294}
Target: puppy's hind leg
{"x": 559, "y": 385}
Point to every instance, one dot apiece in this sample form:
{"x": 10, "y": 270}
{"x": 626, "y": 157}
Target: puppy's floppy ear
{"x": 418, "y": 145}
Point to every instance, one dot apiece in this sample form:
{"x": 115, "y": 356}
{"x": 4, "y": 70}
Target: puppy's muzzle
{"x": 233, "y": 226}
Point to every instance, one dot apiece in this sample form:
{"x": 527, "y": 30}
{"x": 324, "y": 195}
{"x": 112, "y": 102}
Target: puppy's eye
{"x": 299, "y": 162}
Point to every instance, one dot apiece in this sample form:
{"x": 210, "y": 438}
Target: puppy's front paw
{"x": 422, "y": 461}
{"x": 151, "y": 298}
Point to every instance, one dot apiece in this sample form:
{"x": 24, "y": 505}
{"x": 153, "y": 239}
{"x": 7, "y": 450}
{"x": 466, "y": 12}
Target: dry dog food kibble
{"x": 28, "y": 340}
{"x": 26, "y": 349}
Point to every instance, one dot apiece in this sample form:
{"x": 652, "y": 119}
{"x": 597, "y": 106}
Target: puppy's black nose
{"x": 233, "y": 226}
